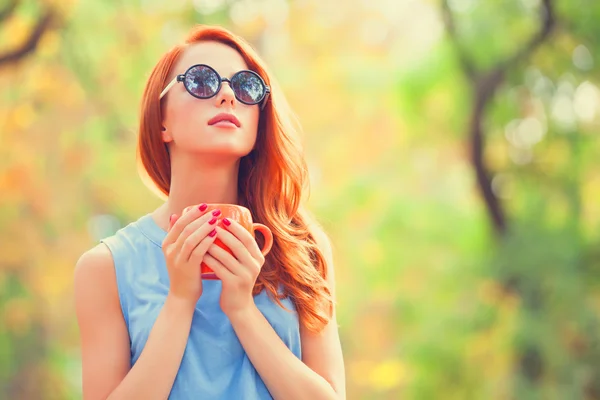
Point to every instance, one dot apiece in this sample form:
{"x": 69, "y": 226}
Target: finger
{"x": 201, "y": 249}
{"x": 218, "y": 268}
{"x": 172, "y": 220}
{"x": 181, "y": 223}
{"x": 166, "y": 245}
{"x": 243, "y": 236}
{"x": 194, "y": 233}
{"x": 238, "y": 248}
{"x": 225, "y": 258}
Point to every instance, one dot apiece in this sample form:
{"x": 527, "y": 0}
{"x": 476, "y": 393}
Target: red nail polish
{"x": 203, "y": 207}
{"x": 226, "y": 221}
{"x": 212, "y": 233}
{"x": 212, "y": 221}
{"x": 216, "y": 213}
{"x": 171, "y": 218}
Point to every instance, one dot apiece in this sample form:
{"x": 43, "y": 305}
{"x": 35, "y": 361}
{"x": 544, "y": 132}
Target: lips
{"x": 224, "y": 117}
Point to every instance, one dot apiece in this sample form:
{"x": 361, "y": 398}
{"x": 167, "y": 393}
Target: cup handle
{"x": 268, "y": 235}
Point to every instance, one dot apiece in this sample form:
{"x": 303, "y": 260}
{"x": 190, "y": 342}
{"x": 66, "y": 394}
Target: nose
{"x": 225, "y": 95}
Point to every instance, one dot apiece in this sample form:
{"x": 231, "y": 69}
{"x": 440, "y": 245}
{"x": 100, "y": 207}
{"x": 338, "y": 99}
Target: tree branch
{"x": 483, "y": 92}
{"x": 466, "y": 63}
{"x": 485, "y": 86}
{"x": 547, "y": 24}
{"x": 8, "y": 10}
{"x": 32, "y": 41}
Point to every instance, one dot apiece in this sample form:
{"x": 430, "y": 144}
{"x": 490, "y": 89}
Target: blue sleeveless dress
{"x": 214, "y": 364}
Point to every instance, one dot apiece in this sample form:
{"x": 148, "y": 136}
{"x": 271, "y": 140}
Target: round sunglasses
{"x": 203, "y": 82}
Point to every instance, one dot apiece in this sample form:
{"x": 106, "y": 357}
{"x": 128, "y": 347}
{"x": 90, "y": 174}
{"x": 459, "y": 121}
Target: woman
{"x": 212, "y": 130}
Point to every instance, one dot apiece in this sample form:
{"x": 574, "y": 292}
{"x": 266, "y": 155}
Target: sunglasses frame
{"x": 181, "y": 78}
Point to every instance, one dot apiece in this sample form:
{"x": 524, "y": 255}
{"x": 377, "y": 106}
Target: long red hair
{"x": 272, "y": 180}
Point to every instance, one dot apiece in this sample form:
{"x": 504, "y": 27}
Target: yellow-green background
{"x": 434, "y": 303}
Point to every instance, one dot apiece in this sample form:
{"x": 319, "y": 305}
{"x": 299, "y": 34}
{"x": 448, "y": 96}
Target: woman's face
{"x": 187, "y": 124}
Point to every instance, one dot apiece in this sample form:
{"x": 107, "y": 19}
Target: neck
{"x": 195, "y": 181}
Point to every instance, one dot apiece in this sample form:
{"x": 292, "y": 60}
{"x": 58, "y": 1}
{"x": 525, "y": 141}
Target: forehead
{"x": 224, "y": 59}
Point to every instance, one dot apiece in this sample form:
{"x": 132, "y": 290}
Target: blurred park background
{"x": 455, "y": 163}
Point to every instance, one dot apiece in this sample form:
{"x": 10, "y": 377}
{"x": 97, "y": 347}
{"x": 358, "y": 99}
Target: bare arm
{"x": 107, "y": 373}
{"x": 105, "y": 340}
{"x": 323, "y": 352}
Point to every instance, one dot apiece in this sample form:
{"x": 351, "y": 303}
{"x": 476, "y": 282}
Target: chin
{"x": 226, "y": 150}
{"x": 222, "y": 145}
{"x": 230, "y": 146}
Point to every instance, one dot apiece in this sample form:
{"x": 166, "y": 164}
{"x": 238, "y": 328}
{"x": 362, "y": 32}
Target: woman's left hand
{"x": 238, "y": 272}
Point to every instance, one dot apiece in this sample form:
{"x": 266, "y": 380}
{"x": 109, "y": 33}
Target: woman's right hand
{"x": 187, "y": 241}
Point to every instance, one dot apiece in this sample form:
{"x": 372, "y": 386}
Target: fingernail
{"x": 226, "y": 221}
{"x": 212, "y": 233}
{"x": 216, "y": 213}
{"x": 171, "y": 218}
{"x": 203, "y": 207}
{"x": 212, "y": 221}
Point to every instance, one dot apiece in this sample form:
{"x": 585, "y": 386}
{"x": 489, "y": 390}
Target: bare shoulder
{"x": 95, "y": 278}
{"x": 95, "y": 266}
{"x": 99, "y": 255}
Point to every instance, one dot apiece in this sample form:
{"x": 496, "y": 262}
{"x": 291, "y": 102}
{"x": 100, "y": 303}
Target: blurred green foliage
{"x": 433, "y": 302}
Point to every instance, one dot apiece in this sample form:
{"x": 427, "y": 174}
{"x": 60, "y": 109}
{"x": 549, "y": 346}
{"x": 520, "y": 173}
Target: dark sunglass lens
{"x": 248, "y": 87}
{"x": 202, "y": 82}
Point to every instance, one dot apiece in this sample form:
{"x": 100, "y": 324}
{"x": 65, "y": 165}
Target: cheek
{"x": 251, "y": 119}
{"x": 186, "y": 114}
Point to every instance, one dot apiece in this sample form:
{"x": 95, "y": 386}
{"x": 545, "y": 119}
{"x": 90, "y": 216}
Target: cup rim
{"x": 221, "y": 205}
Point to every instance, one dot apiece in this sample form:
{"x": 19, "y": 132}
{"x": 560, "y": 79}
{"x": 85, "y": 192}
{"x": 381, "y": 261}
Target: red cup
{"x": 242, "y": 216}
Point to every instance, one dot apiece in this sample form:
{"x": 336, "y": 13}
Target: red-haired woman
{"x": 213, "y": 129}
